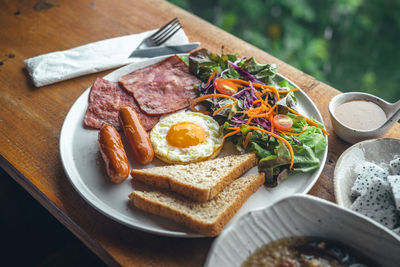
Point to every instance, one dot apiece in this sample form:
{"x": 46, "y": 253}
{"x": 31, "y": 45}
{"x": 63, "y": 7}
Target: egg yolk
{"x": 185, "y": 134}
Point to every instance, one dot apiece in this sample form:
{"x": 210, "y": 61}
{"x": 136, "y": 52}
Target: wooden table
{"x": 31, "y": 118}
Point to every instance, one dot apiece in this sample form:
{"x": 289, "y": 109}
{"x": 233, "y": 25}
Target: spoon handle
{"x": 396, "y": 112}
{"x": 397, "y": 105}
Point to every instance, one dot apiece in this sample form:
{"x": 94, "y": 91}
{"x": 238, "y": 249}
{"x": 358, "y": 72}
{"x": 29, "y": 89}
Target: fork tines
{"x": 166, "y": 32}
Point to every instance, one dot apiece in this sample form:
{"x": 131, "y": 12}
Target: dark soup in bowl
{"x": 306, "y": 251}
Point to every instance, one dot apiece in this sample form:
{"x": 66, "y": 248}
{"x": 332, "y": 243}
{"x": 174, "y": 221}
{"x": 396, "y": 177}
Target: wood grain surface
{"x": 31, "y": 118}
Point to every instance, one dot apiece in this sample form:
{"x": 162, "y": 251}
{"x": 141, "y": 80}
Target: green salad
{"x": 258, "y": 113}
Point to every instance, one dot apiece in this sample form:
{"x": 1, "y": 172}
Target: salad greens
{"x": 202, "y": 63}
{"x": 257, "y": 113}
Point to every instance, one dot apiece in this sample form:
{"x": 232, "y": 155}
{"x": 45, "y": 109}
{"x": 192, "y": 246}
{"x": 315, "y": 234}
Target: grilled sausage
{"x": 113, "y": 153}
{"x": 136, "y": 135}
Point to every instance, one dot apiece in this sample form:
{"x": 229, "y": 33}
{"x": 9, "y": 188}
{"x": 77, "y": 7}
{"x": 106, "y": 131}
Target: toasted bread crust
{"x": 206, "y": 228}
{"x": 194, "y": 191}
{"x": 231, "y": 176}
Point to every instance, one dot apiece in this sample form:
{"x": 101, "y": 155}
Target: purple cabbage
{"x": 208, "y": 87}
{"x": 296, "y": 141}
{"x": 238, "y": 121}
{"x": 240, "y": 93}
{"x": 246, "y": 104}
{"x": 252, "y": 91}
{"x": 239, "y": 60}
{"x": 223, "y": 72}
{"x": 249, "y": 100}
{"x": 244, "y": 73}
{"x": 263, "y": 122}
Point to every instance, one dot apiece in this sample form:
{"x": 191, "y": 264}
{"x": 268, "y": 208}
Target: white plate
{"x": 377, "y": 151}
{"x": 303, "y": 215}
{"x": 83, "y": 165}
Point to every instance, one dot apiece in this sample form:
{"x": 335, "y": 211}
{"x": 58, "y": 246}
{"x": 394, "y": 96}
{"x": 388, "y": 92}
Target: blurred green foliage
{"x": 353, "y": 45}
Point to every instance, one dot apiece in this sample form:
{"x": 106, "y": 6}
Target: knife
{"x": 164, "y": 50}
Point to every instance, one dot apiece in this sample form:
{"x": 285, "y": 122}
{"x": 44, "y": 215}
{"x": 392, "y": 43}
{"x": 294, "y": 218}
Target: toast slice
{"x": 207, "y": 218}
{"x": 199, "y": 181}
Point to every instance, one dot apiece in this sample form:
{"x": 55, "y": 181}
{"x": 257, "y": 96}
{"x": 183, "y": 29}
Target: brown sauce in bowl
{"x": 306, "y": 251}
{"x": 360, "y": 115}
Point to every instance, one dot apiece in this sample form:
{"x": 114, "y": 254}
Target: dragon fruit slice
{"x": 376, "y": 202}
{"x": 394, "y": 166}
{"x": 365, "y": 173}
{"x": 394, "y": 182}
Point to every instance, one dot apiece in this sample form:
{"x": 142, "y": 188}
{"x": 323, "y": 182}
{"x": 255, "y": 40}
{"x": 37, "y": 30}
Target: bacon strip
{"x": 105, "y": 99}
{"x": 162, "y": 88}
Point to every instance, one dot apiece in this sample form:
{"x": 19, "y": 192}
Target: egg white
{"x": 206, "y": 150}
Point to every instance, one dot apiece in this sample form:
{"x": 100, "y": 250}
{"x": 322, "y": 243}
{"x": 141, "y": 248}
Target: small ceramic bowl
{"x": 376, "y": 151}
{"x": 303, "y": 215}
{"x": 351, "y": 135}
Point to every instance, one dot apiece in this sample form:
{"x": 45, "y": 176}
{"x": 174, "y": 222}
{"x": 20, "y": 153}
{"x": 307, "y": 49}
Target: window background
{"x": 352, "y": 45}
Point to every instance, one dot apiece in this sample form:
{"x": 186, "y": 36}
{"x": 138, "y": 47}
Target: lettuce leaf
{"x": 202, "y": 63}
{"x": 305, "y": 160}
{"x": 268, "y": 74}
{"x": 185, "y": 59}
{"x": 284, "y": 84}
{"x": 260, "y": 151}
{"x": 313, "y": 138}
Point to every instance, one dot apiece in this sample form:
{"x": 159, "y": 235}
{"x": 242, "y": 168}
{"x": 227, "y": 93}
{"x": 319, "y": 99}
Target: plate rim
{"x": 93, "y": 200}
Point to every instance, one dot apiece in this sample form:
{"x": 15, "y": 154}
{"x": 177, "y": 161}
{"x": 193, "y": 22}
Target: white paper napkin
{"x": 94, "y": 57}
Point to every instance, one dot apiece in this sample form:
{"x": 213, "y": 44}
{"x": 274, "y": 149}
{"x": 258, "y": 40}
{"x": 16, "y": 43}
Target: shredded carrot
{"x": 309, "y": 121}
{"x": 267, "y": 90}
{"x": 273, "y": 108}
{"x": 295, "y": 134}
{"x": 275, "y": 92}
{"x": 232, "y": 133}
{"x": 211, "y": 77}
{"x": 247, "y": 140}
{"x": 280, "y": 138}
{"x": 289, "y": 133}
{"x": 258, "y": 94}
{"x": 288, "y": 91}
{"x": 242, "y": 82}
{"x": 201, "y": 98}
{"x": 224, "y": 106}
{"x": 262, "y": 111}
{"x": 257, "y": 85}
{"x": 272, "y": 123}
{"x": 261, "y": 115}
{"x": 249, "y": 120}
{"x": 280, "y": 91}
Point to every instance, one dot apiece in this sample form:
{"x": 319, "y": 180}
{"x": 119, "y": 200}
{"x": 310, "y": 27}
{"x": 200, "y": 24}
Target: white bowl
{"x": 377, "y": 151}
{"x": 303, "y": 215}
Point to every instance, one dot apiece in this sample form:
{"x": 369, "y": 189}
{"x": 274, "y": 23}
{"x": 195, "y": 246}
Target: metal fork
{"x": 162, "y": 35}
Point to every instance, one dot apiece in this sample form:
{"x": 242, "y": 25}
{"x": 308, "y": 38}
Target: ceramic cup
{"x": 353, "y": 136}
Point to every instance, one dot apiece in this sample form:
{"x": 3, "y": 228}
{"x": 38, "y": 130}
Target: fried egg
{"x": 186, "y": 137}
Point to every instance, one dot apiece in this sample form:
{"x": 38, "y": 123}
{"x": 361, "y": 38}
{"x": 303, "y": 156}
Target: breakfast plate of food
{"x": 184, "y": 145}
